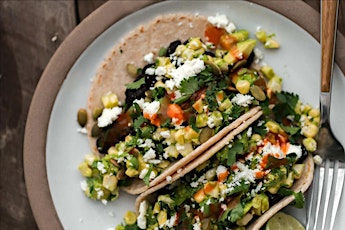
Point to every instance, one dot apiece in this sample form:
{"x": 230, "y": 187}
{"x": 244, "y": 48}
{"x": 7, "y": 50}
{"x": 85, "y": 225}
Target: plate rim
{"x": 67, "y": 54}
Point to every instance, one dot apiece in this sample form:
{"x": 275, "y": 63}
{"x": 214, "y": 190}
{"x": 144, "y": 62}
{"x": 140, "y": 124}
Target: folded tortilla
{"x": 199, "y": 155}
{"x": 183, "y": 169}
{"x": 113, "y": 75}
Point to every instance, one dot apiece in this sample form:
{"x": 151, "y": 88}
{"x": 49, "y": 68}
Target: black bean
{"x": 210, "y": 53}
{"x": 172, "y": 47}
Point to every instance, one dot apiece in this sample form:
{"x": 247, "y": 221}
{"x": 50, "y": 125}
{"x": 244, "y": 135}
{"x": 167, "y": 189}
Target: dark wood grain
{"x": 30, "y": 33}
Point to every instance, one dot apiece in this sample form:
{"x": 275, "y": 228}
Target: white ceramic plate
{"x": 297, "y": 61}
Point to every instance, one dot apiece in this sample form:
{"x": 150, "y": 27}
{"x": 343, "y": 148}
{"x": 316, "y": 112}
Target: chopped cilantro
{"x": 158, "y": 93}
{"x": 236, "y": 148}
{"x": 136, "y": 85}
{"x": 138, "y": 122}
{"x": 299, "y": 198}
{"x": 146, "y": 178}
{"x": 189, "y": 86}
{"x": 236, "y": 213}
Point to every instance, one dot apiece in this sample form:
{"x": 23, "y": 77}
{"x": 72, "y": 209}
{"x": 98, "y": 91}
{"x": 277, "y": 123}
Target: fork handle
{"x": 328, "y": 35}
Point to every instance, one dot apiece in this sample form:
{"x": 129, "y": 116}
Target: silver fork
{"x": 329, "y": 176}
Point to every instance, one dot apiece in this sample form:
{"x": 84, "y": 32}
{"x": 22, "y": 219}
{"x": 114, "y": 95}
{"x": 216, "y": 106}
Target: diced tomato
{"x": 223, "y": 176}
{"x": 227, "y": 41}
{"x": 154, "y": 119}
{"x": 199, "y": 196}
{"x": 175, "y": 112}
{"x": 213, "y": 34}
{"x": 259, "y": 174}
{"x": 264, "y": 161}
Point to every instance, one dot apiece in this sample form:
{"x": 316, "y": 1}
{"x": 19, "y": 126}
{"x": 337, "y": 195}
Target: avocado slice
{"x": 246, "y": 47}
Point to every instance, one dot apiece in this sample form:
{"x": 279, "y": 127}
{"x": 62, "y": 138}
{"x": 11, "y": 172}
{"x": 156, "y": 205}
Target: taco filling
{"x": 188, "y": 96}
{"x": 237, "y": 185}
{"x": 183, "y": 97}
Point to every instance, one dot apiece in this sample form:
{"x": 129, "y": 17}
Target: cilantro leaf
{"x": 290, "y": 129}
{"x": 237, "y": 148}
{"x": 146, "y": 178}
{"x": 236, "y": 213}
{"x": 299, "y": 198}
{"x": 138, "y": 122}
{"x": 189, "y": 86}
{"x": 136, "y": 85}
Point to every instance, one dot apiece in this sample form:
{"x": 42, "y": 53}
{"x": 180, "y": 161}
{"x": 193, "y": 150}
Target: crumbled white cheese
{"x": 295, "y": 149}
{"x": 270, "y": 149}
{"x": 230, "y": 28}
{"x": 220, "y": 20}
{"x": 108, "y": 116}
{"x": 259, "y": 55}
{"x": 171, "y": 222}
{"x": 148, "y": 143}
{"x": 160, "y": 70}
{"x": 242, "y": 100}
{"x": 249, "y": 132}
{"x": 149, "y": 58}
{"x": 220, "y": 170}
{"x": 165, "y": 134}
{"x": 82, "y": 130}
{"x": 151, "y": 108}
{"x": 317, "y": 160}
{"x": 210, "y": 122}
{"x": 169, "y": 179}
{"x": 141, "y": 219}
{"x": 189, "y": 69}
{"x": 150, "y": 71}
{"x": 149, "y": 155}
{"x": 105, "y": 202}
{"x": 83, "y": 185}
{"x": 100, "y": 167}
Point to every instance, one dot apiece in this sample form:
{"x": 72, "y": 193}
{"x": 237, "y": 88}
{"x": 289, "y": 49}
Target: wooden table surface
{"x": 30, "y": 32}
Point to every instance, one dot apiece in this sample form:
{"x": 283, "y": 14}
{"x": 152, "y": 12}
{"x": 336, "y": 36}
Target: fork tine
{"x": 329, "y": 213}
{"x": 313, "y": 199}
{"x": 324, "y": 195}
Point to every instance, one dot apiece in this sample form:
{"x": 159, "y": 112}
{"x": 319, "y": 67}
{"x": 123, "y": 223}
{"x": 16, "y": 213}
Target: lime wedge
{"x": 282, "y": 221}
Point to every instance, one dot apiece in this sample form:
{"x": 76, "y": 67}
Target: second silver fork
{"x": 329, "y": 178}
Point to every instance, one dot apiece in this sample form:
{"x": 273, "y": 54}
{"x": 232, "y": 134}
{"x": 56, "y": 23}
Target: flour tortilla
{"x": 182, "y": 170}
{"x": 300, "y": 185}
{"x": 211, "y": 146}
{"x": 112, "y": 76}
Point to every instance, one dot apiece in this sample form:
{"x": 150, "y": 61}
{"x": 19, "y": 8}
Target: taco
{"x": 266, "y": 173}
{"x": 184, "y": 100}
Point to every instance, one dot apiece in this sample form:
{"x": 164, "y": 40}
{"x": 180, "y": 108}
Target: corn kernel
{"x": 190, "y": 134}
{"x": 314, "y": 113}
{"x": 184, "y": 149}
{"x": 162, "y": 217}
{"x": 273, "y": 126}
{"x": 171, "y": 151}
{"x": 110, "y": 182}
{"x": 110, "y": 100}
{"x": 130, "y": 218}
{"x": 85, "y": 170}
{"x": 310, "y": 130}
{"x": 226, "y": 104}
{"x": 179, "y": 136}
{"x": 272, "y": 44}
{"x": 201, "y": 120}
{"x": 131, "y": 172}
{"x": 310, "y": 144}
{"x": 243, "y": 86}
{"x": 198, "y": 106}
